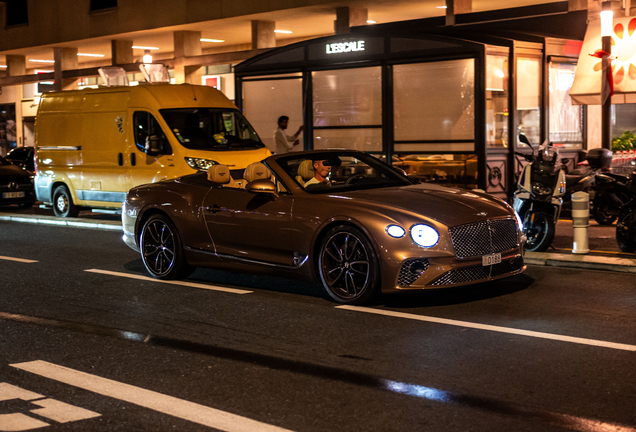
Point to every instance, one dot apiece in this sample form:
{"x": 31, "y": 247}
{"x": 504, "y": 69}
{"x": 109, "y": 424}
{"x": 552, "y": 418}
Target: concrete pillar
{"x": 187, "y": 44}
{"x": 65, "y": 59}
{"x": 16, "y": 65}
{"x": 263, "y": 35}
{"x": 121, "y": 52}
{"x": 347, "y": 17}
{"x": 456, "y": 7}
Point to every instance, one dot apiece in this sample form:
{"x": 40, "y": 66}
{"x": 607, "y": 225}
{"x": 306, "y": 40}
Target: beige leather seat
{"x": 305, "y": 172}
{"x": 220, "y": 174}
{"x": 256, "y": 171}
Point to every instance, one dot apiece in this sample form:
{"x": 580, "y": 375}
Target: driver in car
{"x": 322, "y": 169}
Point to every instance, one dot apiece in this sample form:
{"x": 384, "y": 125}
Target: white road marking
{"x": 182, "y": 283}
{"x": 165, "y": 404}
{"x": 19, "y": 422}
{"x": 62, "y": 412}
{"x": 17, "y": 259}
{"x": 499, "y": 329}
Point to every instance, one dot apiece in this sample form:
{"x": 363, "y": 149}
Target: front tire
{"x": 161, "y": 249}
{"x": 63, "y": 205}
{"x": 626, "y": 232}
{"x": 540, "y": 232}
{"x": 348, "y": 266}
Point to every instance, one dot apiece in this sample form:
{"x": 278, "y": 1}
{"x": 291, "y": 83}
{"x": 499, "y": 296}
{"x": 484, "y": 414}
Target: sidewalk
{"x": 604, "y": 252}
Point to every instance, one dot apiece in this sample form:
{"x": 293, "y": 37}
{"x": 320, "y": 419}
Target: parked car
{"x": 367, "y": 229}
{"x": 22, "y": 157}
{"x": 16, "y": 185}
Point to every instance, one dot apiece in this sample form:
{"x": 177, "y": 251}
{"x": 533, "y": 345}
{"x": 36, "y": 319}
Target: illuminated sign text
{"x": 336, "y": 48}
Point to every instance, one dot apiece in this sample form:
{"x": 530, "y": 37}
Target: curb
{"x": 70, "y": 222}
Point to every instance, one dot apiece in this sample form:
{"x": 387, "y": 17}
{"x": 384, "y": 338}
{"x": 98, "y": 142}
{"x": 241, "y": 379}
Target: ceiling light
{"x": 145, "y": 47}
{"x": 441, "y": 7}
{"x": 41, "y": 61}
{"x": 283, "y": 31}
{"x": 370, "y": 22}
{"x": 3, "y": 66}
{"x": 147, "y": 57}
{"x": 42, "y": 71}
{"x": 89, "y": 55}
{"x": 212, "y": 40}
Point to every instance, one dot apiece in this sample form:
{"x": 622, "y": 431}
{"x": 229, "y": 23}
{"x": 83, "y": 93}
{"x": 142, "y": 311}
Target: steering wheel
{"x": 354, "y": 178}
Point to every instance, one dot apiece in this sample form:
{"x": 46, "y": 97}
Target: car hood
{"x": 449, "y": 206}
{"x": 13, "y": 172}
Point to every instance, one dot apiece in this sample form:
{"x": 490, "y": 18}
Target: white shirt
{"x": 284, "y": 142}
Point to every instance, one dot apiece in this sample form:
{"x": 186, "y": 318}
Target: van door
{"x": 148, "y": 165}
{"x": 104, "y": 150}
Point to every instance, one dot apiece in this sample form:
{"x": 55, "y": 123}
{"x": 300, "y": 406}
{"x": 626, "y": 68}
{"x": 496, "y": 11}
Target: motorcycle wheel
{"x": 626, "y": 231}
{"x": 539, "y": 231}
{"x": 601, "y": 211}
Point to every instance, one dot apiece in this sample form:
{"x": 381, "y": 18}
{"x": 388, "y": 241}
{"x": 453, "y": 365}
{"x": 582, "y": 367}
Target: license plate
{"x": 491, "y": 259}
{"x": 13, "y": 194}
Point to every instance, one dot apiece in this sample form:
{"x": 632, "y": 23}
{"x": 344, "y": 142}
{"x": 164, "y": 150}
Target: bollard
{"x": 580, "y": 221}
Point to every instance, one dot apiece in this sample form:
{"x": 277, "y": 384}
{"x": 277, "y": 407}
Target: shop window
{"x": 363, "y": 139}
{"x": 435, "y": 102}
{"x": 529, "y": 98}
{"x": 8, "y": 131}
{"x": 451, "y": 169}
{"x": 623, "y": 119}
{"x": 566, "y": 120}
{"x": 347, "y": 97}
{"x": 497, "y": 101}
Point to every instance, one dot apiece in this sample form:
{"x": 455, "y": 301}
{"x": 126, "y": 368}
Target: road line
{"x": 171, "y": 282}
{"x": 159, "y": 402}
{"x": 499, "y": 329}
{"x": 18, "y": 259}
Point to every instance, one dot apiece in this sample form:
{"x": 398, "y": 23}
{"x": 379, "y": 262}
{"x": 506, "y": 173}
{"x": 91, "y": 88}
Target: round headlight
{"x": 424, "y": 235}
{"x": 395, "y": 231}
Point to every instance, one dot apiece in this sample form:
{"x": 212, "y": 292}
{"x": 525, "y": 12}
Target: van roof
{"x": 157, "y": 96}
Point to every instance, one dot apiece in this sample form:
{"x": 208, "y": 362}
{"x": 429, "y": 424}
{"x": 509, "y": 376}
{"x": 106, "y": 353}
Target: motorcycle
{"x": 626, "y": 224}
{"x": 612, "y": 191}
{"x": 539, "y": 195}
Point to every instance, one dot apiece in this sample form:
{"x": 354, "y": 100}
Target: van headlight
{"x": 424, "y": 235}
{"x": 200, "y": 164}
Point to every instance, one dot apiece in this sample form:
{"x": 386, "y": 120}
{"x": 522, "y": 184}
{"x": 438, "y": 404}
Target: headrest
{"x": 306, "y": 170}
{"x": 256, "y": 171}
{"x": 219, "y": 174}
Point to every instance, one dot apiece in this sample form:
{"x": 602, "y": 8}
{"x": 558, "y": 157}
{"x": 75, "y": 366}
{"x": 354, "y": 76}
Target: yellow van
{"x": 93, "y": 145}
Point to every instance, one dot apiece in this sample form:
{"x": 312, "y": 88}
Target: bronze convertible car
{"x": 363, "y": 229}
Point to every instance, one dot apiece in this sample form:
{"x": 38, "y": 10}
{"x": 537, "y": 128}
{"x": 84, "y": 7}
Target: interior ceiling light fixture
{"x": 41, "y": 61}
{"x": 441, "y": 7}
{"x": 3, "y": 66}
{"x": 89, "y": 55}
{"x": 370, "y": 22}
{"x": 145, "y": 47}
{"x": 212, "y": 40}
{"x": 283, "y": 31}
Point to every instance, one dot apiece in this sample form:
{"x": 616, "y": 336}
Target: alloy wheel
{"x": 345, "y": 265}
{"x": 158, "y": 247}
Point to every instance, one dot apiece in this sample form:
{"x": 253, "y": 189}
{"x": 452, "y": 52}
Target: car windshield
{"x": 211, "y": 129}
{"x": 340, "y": 171}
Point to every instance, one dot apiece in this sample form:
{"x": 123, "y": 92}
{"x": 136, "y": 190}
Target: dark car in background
{"x": 22, "y": 157}
{"x": 16, "y": 185}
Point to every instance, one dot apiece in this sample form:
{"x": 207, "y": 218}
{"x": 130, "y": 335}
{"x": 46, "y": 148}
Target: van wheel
{"x": 63, "y": 205}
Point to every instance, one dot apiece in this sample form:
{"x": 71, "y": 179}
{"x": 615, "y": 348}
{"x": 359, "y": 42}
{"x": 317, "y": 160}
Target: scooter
{"x": 539, "y": 195}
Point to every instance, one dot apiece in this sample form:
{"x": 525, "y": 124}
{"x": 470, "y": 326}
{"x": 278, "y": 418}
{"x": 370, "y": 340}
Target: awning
{"x": 586, "y": 89}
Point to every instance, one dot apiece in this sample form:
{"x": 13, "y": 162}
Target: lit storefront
{"x": 444, "y": 106}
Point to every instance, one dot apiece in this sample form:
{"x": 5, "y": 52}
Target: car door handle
{"x": 214, "y": 209}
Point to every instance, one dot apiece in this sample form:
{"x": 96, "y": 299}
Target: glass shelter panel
{"x": 566, "y": 120}
{"x": 347, "y": 97}
{"x": 434, "y": 101}
{"x": 497, "y": 101}
{"x": 265, "y": 101}
{"x": 529, "y": 98}
{"x": 363, "y": 139}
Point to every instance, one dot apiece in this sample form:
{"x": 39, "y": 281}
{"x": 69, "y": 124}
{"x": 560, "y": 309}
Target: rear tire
{"x": 161, "y": 249}
{"x": 601, "y": 211}
{"x": 63, "y": 205}
{"x": 626, "y": 232}
{"x": 539, "y": 231}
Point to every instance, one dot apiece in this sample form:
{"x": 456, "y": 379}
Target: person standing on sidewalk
{"x": 285, "y": 143}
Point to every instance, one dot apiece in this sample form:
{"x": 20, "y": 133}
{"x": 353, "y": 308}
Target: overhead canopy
{"x": 586, "y": 89}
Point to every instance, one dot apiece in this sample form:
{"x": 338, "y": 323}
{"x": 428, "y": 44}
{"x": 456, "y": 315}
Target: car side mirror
{"x": 155, "y": 145}
{"x": 262, "y": 187}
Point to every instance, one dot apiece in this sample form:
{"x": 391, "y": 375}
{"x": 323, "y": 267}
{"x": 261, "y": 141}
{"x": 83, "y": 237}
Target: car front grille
{"x": 408, "y": 275}
{"x": 484, "y": 237}
{"x": 476, "y": 273}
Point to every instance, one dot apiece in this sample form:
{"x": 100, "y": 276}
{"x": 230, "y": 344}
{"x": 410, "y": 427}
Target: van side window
{"x": 145, "y": 126}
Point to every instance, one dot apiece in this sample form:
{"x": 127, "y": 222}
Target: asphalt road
{"x": 86, "y": 345}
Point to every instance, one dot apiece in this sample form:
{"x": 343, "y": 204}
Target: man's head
{"x": 322, "y": 168}
{"x": 283, "y": 121}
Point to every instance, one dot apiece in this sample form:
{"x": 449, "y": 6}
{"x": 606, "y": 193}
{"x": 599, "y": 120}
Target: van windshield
{"x": 211, "y": 129}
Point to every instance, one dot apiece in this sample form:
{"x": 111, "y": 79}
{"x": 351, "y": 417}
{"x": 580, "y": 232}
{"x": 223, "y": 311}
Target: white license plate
{"x": 12, "y": 194}
{"x": 491, "y": 259}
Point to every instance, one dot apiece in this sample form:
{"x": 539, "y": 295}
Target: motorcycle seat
{"x": 572, "y": 179}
